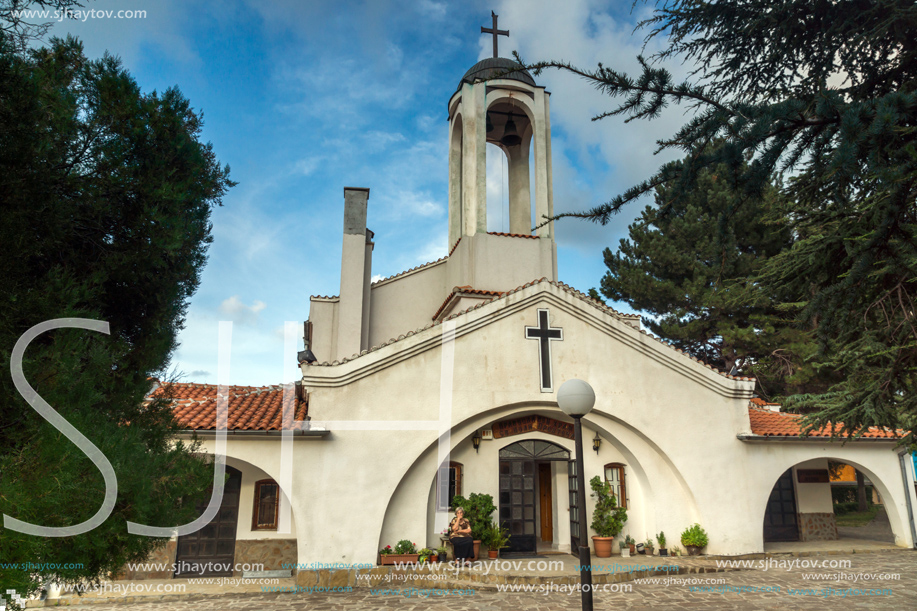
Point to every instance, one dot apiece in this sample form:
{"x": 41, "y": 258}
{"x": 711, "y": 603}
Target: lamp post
{"x": 576, "y": 398}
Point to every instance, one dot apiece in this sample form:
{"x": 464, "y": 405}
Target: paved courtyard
{"x": 794, "y": 588}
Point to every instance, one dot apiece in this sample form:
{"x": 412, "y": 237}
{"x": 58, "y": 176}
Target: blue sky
{"x": 303, "y": 98}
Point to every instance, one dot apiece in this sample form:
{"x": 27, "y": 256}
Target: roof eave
{"x": 255, "y": 433}
{"x": 811, "y": 439}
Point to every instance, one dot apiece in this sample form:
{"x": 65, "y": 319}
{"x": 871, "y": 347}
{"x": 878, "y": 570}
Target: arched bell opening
{"x": 509, "y": 131}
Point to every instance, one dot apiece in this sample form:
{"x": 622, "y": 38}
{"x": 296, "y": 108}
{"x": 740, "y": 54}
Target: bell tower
{"x": 499, "y": 103}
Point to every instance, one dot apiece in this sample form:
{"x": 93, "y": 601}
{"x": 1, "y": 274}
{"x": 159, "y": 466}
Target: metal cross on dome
{"x": 495, "y": 32}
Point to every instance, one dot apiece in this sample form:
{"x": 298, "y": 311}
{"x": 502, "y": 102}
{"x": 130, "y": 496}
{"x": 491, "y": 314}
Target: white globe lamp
{"x": 575, "y": 398}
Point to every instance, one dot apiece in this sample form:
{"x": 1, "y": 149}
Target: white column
{"x": 520, "y": 198}
{"x": 542, "y": 176}
{"x": 474, "y": 169}
{"x": 455, "y": 179}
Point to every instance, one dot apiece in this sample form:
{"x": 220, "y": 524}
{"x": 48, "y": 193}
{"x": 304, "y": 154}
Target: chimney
{"x": 356, "y": 273}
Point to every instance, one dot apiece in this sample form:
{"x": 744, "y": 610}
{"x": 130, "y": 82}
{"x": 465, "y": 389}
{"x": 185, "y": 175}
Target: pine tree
{"x": 825, "y": 92}
{"x": 106, "y": 195}
{"x": 689, "y": 264}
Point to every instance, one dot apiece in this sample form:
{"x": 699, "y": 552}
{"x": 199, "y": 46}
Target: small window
{"x": 267, "y": 502}
{"x": 614, "y": 475}
{"x": 450, "y": 485}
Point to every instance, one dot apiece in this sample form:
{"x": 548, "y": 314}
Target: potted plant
{"x": 649, "y": 546}
{"x": 404, "y": 551}
{"x": 478, "y": 511}
{"x": 442, "y": 553}
{"x": 631, "y": 544}
{"x": 496, "y": 539}
{"x": 662, "y": 549}
{"x": 694, "y": 538}
{"x": 625, "y": 549}
{"x": 676, "y": 551}
{"x": 426, "y": 555}
{"x": 608, "y": 519}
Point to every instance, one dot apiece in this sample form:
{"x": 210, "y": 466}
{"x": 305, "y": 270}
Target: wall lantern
{"x": 476, "y": 441}
{"x": 596, "y": 442}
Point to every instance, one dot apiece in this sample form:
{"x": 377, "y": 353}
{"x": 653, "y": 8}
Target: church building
{"x": 442, "y": 381}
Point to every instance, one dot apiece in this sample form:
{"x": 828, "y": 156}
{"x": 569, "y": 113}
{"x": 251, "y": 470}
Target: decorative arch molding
{"x": 649, "y": 464}
{"x": 527, "y": 424}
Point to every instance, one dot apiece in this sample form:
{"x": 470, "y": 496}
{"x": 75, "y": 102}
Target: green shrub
{"x": 405, "y": 547}
{"x": 694, "y": 535}
{"x": 608, "y": 519}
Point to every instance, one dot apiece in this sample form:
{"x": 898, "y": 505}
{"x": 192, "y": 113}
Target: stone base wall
{"x": 272, "y": 553}
{"x": 163, "y": 555}
{"x": 817, "y": 527}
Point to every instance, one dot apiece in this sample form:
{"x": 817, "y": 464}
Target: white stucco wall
{"x": 813, "y": 498}
{"x": 672, "y": 421}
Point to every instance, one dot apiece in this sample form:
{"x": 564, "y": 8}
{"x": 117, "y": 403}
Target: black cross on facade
{"x": 495, "y": 32}
{"x": 545, "y": 334}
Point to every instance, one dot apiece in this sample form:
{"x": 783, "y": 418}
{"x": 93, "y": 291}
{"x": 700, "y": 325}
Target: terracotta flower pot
{"x": 477, "y": 549}
{"x": 434, "y": 558}
{"x": 602, "y": 546}
{"x": 492, "y": 553}
{"x": 397, "y": 558}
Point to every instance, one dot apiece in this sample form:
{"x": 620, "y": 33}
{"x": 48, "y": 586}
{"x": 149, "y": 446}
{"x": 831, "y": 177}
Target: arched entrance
{"x": 526, "y": 491}
{"x": 804, "y": 507}
{"x": 211, "y": 550}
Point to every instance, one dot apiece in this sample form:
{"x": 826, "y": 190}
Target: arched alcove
{"x": 799, "y": 506}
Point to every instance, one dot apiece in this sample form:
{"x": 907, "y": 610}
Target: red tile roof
{"x": 458, "y": 291}
{"x": 251, "y": 408}
{"x": 767, "y": 423}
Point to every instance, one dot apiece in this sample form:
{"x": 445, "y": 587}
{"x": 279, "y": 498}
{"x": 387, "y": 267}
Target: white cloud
{"x": 434, "y": 10}
{"x": 240, "y": 313}
{"x": 306, "y": 166}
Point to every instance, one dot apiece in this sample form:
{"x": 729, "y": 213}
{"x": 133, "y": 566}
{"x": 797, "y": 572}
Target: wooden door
{"x": 211, "y": 550}
{"x": 546, "y": 504}
{"x": 780, "y": 516}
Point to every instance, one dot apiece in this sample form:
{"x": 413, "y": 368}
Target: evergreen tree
{"x": 106, "y": 195}
{"x": 690, "y": 264}
{"x": 826, "y": 92}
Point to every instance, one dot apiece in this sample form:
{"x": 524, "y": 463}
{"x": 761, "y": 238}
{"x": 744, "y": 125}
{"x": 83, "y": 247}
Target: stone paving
{"x": 790, "y": 590}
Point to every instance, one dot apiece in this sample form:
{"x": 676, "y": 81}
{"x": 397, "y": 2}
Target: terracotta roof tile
{"x": 769, "y": 423}
{"x": 513, "y": 235}
{"x": 464, "y": 290}
{"x": 251, "y": 408}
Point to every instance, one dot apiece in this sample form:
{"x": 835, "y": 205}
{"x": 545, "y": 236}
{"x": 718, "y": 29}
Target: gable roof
{"x": 768, "y": 423}
{"x": 560, "y": 285}
{"x": 251, "y": 408}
